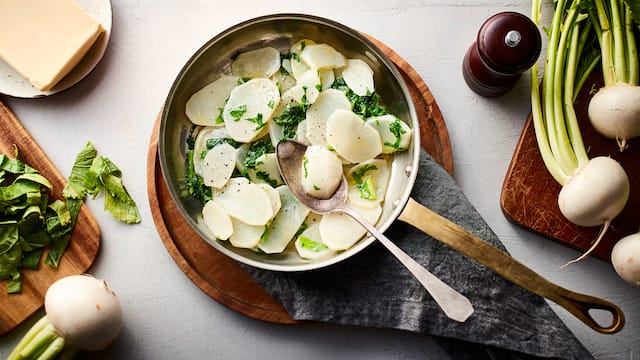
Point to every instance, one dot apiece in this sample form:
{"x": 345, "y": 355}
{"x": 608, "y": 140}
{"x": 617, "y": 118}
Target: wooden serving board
{"x": 529, "y": 193}
{"x": 222, "y": 278}
{"x": 82, "y": 249}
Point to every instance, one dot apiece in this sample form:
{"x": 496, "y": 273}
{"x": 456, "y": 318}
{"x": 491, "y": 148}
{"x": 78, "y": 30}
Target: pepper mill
{"x": 507, "y": 45}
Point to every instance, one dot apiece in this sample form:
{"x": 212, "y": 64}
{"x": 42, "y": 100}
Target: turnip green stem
{"x": 41, "y": 342}
{"x": 548, "y": 83}
{"x": 539, "y": 124}
{"x": 617, "y": 43}
{"x": 632, "y": 49}
{"x": 575, "y": 136}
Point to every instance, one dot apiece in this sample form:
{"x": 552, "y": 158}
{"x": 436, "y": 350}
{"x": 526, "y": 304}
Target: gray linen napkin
{"x": 372, "y": 289}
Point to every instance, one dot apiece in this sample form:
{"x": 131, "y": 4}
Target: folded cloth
{"x": 372, "y": 289}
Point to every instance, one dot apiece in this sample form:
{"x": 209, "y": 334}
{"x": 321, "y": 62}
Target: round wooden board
{"x": 222, "y": 278}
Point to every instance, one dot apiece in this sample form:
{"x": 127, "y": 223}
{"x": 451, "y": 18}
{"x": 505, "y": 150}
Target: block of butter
{"x": 44, "y": 40}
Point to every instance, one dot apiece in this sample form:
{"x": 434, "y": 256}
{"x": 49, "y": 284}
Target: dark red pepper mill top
{"x": 508, "y": 44}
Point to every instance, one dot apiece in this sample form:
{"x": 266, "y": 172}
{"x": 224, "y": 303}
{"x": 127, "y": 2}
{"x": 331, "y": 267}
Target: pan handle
{"x": 511, "y": 269}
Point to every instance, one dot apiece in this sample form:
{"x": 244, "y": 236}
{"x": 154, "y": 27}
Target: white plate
{"x": 13, "y": 84}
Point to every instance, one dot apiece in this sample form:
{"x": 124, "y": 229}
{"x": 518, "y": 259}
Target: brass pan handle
{"x": 511, "y": 269}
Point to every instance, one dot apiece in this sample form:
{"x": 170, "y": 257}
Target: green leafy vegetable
{"x": 305, "y": 163}
{"x": 366, "y": 185}
{"x": 31, "y": 222}
{"x": 211, "y": 143}
{"x": 397, "y": 130}
{"x": 104, "y": 176}
{"x": 219, "y": 119}
{"x": 311, "y": 245}
{"x": 289, "y": 119}
{"x": 28, "y": 222}
{"x": 237, "y": 113}
{"x": 194, "y": 183}
{"x": 365, "y": 106}
{"x": 258, "y": 121}
{"x": 257, "y": 149}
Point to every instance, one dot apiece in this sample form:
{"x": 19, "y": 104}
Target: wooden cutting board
{"x": 82, "y": 249}
{"x": 529, "y": 194}
{"x": 222, "y": 278}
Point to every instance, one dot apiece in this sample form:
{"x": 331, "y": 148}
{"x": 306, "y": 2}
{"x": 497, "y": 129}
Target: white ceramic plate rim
{"x": 13, "y": 84}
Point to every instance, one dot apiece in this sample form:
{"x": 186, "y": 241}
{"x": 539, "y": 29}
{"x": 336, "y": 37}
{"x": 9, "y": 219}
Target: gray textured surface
{"x": 372, "y": 289}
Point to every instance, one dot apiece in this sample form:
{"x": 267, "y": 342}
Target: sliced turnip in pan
{"x": 245, "y": 201}
{"x": 285, "y": 224}
{"x": 318, "y": 114}
{"x": 258, "y": 63}
{"x": 205, "y": 106}
{"x": 245, "y": 235}
{"x": 309, "y": 244}
{"x": 218, "y": 165}
{"x": 322, "y": 56}
{"x": 339, "y": 231}
{"x": 394, "y": 133}
{"x": 368, "y": 182}
{"x": 217, "y": 220}
{"x": 359, "y": 77}
{"x": 249, "y": 109}
{"x": 354, "y": 139}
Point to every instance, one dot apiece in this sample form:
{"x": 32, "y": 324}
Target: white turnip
{"x": 614, "y": 111}
{"x": 82, "y": 313}
{"x": 625, "y": 258}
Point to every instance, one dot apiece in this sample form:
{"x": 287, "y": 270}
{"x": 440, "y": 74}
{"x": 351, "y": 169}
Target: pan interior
{"x": 214, "y": 58}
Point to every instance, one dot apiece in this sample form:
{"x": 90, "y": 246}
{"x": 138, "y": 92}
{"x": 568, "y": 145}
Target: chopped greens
{"x": 29, "y": 221}
{"x": 264, "y": 176}
{"x": 365, "y": 106}
{"x": 258, "y": 121}
{"x": 219, "y": 119}
{"x": 237, "y": 113}
{"x": 33, "y": 220}
{"x": 291, "y": 117}
{"x": 305, "y": 163}
{"x": 311, "y": 245}
{"x": 257, "y": 149}
{"x": 397, "y": 130}
{"x": 366, "y": 185}
{"x": 213, "y": 142}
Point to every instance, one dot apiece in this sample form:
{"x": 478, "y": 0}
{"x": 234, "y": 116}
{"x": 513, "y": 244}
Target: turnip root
{"x": 82, "y": 313}
{"x": 608, "y": 187}
{"x": 614, "y": 112}
{"x": 594, "y": 196}
{"x": 625, "y": 258}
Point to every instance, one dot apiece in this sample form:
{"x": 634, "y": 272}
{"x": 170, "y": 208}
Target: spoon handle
{"x": 455, "y": 305}
{"x": 503, "y": 264}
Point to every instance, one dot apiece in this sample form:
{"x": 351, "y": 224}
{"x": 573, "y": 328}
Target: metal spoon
{"x": 455, "y": 305}
{"x": 580, "y": 305}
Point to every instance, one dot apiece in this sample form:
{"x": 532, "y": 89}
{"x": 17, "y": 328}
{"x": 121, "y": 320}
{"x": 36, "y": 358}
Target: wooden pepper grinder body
{"x": 508, "y": 44}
